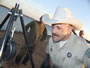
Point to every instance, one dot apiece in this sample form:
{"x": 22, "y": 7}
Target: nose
{"x": 53, "y": 30}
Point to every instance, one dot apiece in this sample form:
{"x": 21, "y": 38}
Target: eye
{"x": 58, "y": 27}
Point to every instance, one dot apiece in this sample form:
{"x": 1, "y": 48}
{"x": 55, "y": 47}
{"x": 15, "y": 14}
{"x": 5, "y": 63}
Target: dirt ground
{"x": 38, "y": 55}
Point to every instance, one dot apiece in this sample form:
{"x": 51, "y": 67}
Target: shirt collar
{"x": 62, "y": 43}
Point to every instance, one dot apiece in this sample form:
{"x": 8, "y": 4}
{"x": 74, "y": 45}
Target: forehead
{"x": 59, "y": 24}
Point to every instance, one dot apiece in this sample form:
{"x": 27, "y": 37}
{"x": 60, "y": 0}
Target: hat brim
{"x": 72, "y": 21}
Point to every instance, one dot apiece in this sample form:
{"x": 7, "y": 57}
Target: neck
{"x": 67, "y": 37}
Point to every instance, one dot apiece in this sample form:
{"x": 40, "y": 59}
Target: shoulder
{"x": 84, "y": 45}
{"x": 81, "y": 45}
{"x": 79, "y": 42}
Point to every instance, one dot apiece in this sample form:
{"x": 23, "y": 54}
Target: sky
{"x": 80, "y": 9}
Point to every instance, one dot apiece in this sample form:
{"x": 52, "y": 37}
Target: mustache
{"x": 54, "y": 34}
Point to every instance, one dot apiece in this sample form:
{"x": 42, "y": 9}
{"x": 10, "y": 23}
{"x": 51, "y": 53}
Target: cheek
{"x": 65, "y": 31}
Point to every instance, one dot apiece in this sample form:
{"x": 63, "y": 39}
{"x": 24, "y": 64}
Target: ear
{"x": 70, "y": 28}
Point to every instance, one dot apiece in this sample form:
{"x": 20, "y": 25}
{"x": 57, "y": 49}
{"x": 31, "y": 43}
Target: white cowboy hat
{"x": 62, "y": 15}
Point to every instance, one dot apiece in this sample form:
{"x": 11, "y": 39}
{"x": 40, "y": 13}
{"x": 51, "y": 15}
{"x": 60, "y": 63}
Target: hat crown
{"x": 62, "y": 13}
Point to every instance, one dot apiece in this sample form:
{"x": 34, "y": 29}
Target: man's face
{"x": 82, "y": 34}
{"x": 60, "y": 32}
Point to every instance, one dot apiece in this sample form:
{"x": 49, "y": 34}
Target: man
{"x": 65, "y": 49}
{"x": 36, "y": 31}
{"x": 81, "y": 34}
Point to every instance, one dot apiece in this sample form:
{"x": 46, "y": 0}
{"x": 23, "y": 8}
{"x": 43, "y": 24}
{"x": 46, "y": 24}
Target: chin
{"x": 55, "y": 41}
